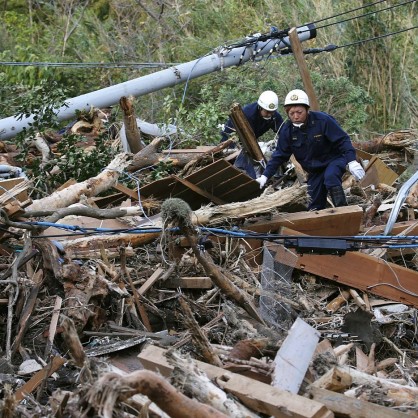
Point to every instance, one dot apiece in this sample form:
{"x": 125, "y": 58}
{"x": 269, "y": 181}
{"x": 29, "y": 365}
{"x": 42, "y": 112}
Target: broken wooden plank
{"x": 199, "y": 338}
{"x": 338, "y": 301}
{"x": 23, "y": 324}
{"x": 200, "y": 191}
{"x": 345, "y": 220}
{"x": 39, "y": 377}
{"x": 132, "y": 131}
{"x": 258, "y": 396}
{"x": 127, "y": 191}
{"x": 344, "y": 406}
{"x": 378, "y": 172}
{"x": 53, "y": 326}
{"x": 150, "y": 281}
{"x": 357, "y": 270}
{"x": 246, "y": 134}
{"x": 188, "y": 283}
{"x": 334, "y": 379}
{"x": 14, "y": 189}
{"x": 294, "y": 356}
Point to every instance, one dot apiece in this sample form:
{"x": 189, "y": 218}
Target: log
{"x": 133, "y": 134}
{"x": 204, "y": 216}
{"x": 149, "y": 156}
{"x": 54, "y": 215}
{"x": 24, "y": 322}
{"x": 263, "y": 204}
{"x": 91, "y": 187}
{"x": 112, "y": 388}
{"x": 73, "y": 342}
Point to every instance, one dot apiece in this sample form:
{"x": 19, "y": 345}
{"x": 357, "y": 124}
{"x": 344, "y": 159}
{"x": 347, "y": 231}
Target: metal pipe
{"x": 109, "y": 96}
{"x": 400, "y": 198}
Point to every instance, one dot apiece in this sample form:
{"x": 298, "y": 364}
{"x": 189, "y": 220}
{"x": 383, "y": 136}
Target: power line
{"x": 88, "y": 64}
{"x": 377, "y": 37}
{"x": 366, "y": 14}
{"x": 330, "y": 48}
{"x": 349, "y": 11}
{"x": 247, "y": 42}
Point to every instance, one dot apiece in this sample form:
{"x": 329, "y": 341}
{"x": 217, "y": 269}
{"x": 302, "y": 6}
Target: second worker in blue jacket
{"x": 322, "y": 148}
{"x": 262, "y": 116}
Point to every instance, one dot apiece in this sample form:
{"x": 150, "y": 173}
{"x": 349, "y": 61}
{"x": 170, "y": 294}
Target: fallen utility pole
{"x": 109, "y": 96}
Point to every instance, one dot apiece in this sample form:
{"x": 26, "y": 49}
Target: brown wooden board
{"x": 6, "y": 185}
{"x": 344, "y": 220}
{"x": 256, "y": 395}
{"x": 357, "y": 270}
{"x": 378, "y": 172}
{"x": 219, "y": 181}
{"x": 246, "y": 134}
{"x": 344, "y": 406}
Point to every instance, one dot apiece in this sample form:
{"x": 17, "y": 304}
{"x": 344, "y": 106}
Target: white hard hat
{"x": 268, "y": 100}
{"x": 296, "y": 97}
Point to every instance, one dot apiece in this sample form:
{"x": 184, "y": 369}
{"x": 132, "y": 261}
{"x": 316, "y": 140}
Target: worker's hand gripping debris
{"x": 262, "y": 180}
{"x": 356, "y": 170}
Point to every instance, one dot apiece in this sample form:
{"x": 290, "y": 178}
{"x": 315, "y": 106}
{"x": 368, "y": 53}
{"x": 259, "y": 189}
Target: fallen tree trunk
{"x": 91, "y": 187}
{"x": 81, "y": 210}
{"x": 112, "y": 388}
{"x": 210, "y": 215}
{"x": 263, "y": 204}
{"x": 150, "y": 156}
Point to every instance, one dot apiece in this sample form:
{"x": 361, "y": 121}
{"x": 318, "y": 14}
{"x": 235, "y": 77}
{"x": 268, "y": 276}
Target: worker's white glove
{"x": 356, "y": 170}
{"x": 262, "y": 180}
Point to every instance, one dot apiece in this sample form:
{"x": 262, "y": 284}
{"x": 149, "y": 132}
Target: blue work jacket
{"x": 259, "y": 125}
{"x": 315, "y": 145}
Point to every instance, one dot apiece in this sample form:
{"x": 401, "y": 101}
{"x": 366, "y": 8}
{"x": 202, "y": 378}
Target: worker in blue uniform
{"x": 322, "y": 148}
{"x": 262, "y": 116}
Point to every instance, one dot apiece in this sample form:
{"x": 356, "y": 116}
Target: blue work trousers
{"x": 320, "y": 181}
{"x": 246, "y": 163}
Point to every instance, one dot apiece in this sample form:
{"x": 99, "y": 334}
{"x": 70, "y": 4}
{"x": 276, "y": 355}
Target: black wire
{"x": 349, "y": 11}
{"x": 376, "y": 37}
{"x": 88, "y": 64}
{"x": 365, "y": 14}
{"x": 330, "y": 48}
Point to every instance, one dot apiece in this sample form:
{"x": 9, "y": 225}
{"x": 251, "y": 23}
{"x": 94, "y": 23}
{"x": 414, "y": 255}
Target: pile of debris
{"x": 197, "y": 297}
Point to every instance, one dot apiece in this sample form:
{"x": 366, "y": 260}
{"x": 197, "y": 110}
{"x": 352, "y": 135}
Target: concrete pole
{"x": 109, "y": 96}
